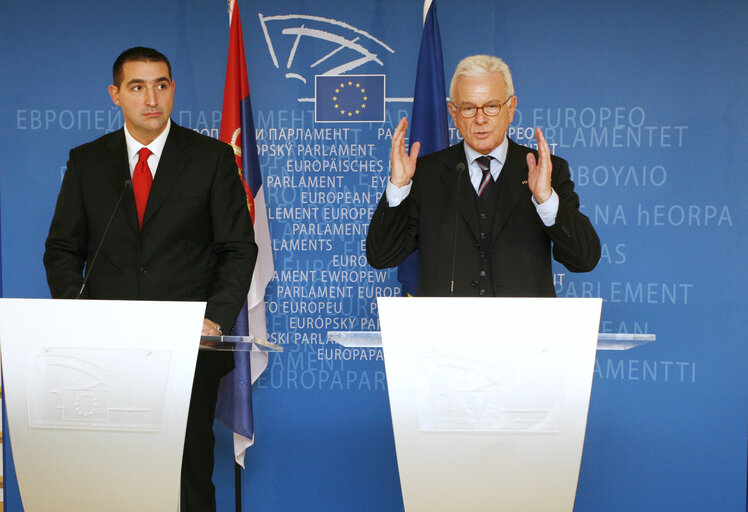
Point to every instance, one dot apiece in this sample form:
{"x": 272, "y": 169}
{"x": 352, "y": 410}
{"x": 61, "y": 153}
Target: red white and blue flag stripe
{"x": 234, "y": 407}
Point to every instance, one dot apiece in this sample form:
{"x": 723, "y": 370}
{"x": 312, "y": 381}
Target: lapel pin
{"x": 524, "y": 182}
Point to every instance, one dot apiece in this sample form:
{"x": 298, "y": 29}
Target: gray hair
{"x": 479, "y": 64}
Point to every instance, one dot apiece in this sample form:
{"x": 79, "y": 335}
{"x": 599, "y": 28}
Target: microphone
{"x": 127, "y": 186}
{"x": 460, "y": 172}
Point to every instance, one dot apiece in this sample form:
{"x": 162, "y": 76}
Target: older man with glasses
{"x": 485, "y": 214}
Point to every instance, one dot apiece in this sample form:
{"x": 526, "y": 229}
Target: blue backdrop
{"x": 646, "y": 100}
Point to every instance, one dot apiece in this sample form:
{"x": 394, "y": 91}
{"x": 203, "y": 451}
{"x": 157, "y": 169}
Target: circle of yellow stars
{"x": 356, "y": 110}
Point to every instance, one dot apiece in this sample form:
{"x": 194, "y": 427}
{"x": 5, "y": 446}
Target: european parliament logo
{"x": 349, "y": 98}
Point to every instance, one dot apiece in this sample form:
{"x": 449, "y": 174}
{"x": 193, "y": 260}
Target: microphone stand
{"x": 127, "y": 186}
{"x": 460, "y": 172}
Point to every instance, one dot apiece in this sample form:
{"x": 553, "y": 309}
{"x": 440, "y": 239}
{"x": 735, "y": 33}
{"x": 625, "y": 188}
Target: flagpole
{"x": 237, "y": 467}
{"x": 238, "y": 486}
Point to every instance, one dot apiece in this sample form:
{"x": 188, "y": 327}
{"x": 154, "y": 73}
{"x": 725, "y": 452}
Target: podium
{"x": 489, "y": 398}
{"x": 97, "y": 396}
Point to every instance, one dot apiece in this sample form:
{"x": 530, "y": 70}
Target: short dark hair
{"x": 138, "y": 53}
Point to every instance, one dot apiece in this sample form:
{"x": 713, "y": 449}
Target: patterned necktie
{"x": 141, "y": 183}
{"x": 484, "y": 162}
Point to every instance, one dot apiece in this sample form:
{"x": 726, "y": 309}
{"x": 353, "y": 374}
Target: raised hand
{"x": 539, "y": 173}
{"x": 403, "y": 165}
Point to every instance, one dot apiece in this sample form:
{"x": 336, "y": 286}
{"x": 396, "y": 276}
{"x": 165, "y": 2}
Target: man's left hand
{"x": 539, "y": 174}
{"x": 210, "y": 328}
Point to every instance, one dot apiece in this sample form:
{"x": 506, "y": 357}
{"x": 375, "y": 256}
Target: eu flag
{"x": 349, "y": 98}
{"x": 428, "y": 123}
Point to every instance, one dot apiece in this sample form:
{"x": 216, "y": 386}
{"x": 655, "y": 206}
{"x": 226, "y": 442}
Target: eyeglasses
{"x": 490, "y": 110}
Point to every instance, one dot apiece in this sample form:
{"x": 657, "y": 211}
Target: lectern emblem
{"x": 87, "y": 388}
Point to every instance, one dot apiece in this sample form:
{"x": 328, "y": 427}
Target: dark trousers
{"x": 198, "y": 493}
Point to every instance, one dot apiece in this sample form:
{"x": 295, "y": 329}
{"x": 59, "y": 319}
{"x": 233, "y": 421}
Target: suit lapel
{"x": 173, "y": 161}
{"x": 118, "y": 170}
{"x": 512, "y": 186}
{"x": 464, "y": 198}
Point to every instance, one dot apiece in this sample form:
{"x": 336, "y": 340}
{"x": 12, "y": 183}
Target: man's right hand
{"x": 403, "y": 165}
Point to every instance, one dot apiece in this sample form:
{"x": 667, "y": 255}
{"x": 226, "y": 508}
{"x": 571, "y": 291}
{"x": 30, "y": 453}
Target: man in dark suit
{"x": 485, "y": 214}
{"x": 182, "y": 233}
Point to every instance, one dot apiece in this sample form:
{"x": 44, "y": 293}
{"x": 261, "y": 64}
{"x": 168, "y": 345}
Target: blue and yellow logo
{"x": 349, "y": 98}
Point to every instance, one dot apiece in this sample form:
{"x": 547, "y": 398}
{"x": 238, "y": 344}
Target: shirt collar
{"x": 498, "y": 153}
{"x": 156, "y": 146}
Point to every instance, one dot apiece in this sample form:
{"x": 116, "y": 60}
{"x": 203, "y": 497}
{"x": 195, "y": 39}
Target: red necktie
{"x": 141, "y": 183}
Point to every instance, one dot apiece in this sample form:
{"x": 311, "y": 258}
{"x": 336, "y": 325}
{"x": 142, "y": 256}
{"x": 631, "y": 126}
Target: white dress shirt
{"x": 156, "y": 147}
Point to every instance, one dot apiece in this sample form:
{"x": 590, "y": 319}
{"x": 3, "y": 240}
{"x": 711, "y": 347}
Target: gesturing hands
{"x": 403, "y": 165}
{"x": 539, "y": 173}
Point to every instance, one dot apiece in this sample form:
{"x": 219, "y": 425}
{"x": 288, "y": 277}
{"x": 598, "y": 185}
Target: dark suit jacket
{"x": 521, "y": 243}
{"x": 196, "y": 243}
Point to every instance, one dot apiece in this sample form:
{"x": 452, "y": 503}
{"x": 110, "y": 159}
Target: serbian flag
{"x": 428, "y": 123}
{"x": 234, "y": 406}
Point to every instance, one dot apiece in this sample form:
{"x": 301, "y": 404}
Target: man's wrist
{"x": 543, "y": 197}
{"x": 396, "y": 195}
{"x": 548, "y": 209}
{"x": 398, "y": 183}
